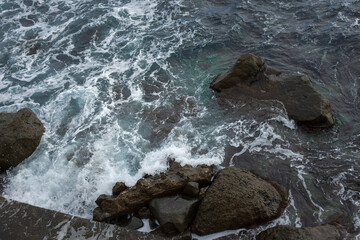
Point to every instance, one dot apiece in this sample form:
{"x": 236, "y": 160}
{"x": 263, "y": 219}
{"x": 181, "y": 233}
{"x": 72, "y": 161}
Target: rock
{"x": 23, "y": 221}
{"x": 237, "y": 199}
{"x": 144, "y": 212}
{"x": 174, "y": 210}
{"x": 20, "y": 133}
{"x": 172, "y": 235}
{"x": 250, "y": 77}
{"x": 152, "y": 223}
{"x": 134, "y": 223}
{"x": 323, "y": 232}
{"x": 165, "y": 184}
{"x": 118, "y": 188}
{"x": 191, "y": 189}
{"x": 202, "y": 193}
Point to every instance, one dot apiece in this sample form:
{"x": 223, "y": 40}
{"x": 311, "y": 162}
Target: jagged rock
{"x": 236, "y": 199}
{"x": 323, "y": 232}
{"x": 165, "y": 184}
{"x": 191, "y": 189}
{"x": 118, "y": 188}
{"x": 23, "y": 221}
{"x": 20, "y": 134}
{"x": 174, "y": 210}
{"x": 251, "y": 77}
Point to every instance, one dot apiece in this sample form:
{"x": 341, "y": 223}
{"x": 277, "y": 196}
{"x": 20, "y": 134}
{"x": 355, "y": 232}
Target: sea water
{"x": 121, "y": 86}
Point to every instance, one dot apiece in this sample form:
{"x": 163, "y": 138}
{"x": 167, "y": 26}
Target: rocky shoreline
{"x": 185, "y": 199}
{"x": 178, "y": 201}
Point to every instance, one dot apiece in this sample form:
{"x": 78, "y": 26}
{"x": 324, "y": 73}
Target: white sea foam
{"x": 96, "y": 134}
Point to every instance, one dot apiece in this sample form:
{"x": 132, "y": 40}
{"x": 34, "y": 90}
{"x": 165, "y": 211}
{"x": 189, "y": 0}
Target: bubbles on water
{"x": 123, "y": 86}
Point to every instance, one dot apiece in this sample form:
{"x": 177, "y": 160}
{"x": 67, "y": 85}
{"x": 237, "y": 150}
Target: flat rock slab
{"x": 237, "y": 198}
{"x": 251, "y": 77}
{"x": 323, "y": 232}
{"x": 20, "y": 221}
{"x": 165, "y": 184}
{"x": 20, "y": 134}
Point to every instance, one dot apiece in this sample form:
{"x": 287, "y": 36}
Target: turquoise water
{"x": 123, "y": 85}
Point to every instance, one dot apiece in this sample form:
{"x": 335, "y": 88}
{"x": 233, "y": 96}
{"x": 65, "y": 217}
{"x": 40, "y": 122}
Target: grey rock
{"x": 20, "y": 135}
{"x": 323, "y": 232}
{"x": 175, "y": 210}
{"x": 23, "y": 221}
{"x": 191, "y": 189}
{"x": 135, "y": 223}
{"x": 235, "y": 199}
{"x": 252, "y": 78}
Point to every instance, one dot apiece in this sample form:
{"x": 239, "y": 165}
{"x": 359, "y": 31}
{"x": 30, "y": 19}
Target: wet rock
{"x": 165, "y": 184}
{"x": 174, "y": 210}
{"x": 135, "y": 223}
{"x": 323, "y": 232}
{"x": 118, "y": 188}
{"x": 23, "y": 221}
{"x": 191, "y": 189}
{"x": 251, "y": 77}
{"x": 173, "y": 235}
{"x": 152, "y": 223}
{"x": 144, "y": 212}
{"x": 20, "y": 134}
{"x": 236, "y": 199}
{"x": 202, "y": 193}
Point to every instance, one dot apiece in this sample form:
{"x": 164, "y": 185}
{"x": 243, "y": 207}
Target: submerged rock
{"x": 165, "y": 184}
{"x": 20, "y": 134}
{"x": 175, "y": 210}
{"x": 236, "y": 199}
{"x": 250, "y": 76}
{"x": 323, "y": 232}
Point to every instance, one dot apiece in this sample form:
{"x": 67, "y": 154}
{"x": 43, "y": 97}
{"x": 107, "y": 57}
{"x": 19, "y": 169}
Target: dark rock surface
{"x": 144, "y": 212}
{"x": 323, "y": 232}
{"x": 165, "y": 184}
{"x": 118, "y": 188}
{"x": 134, "y": 223}
{"x": 20, "y": 134}
{"x": 174, "y": 210}
{"x": 191, "y": 189}
{"x": 20, "y": 221}
{"x": 237, "y": 198}
{"x": 250, "y": 76}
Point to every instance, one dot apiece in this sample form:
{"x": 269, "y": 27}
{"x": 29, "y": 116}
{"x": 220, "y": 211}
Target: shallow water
{"x": 122, "y": 86}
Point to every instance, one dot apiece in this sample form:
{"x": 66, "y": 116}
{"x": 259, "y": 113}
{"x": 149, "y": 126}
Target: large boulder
{"x": 250, "y": 77}
{"x": 174, "y": 210}
{"x": 323, "y": 232}
{"x": 165, "y": 184}
{"x": 236, "y": 199}
{"x": 20, "y": 134}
